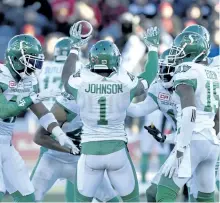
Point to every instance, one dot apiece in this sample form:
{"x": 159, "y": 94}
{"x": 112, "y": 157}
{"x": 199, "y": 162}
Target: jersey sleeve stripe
{"x": 192, "y": 82}
{"x": 153, "y": 97}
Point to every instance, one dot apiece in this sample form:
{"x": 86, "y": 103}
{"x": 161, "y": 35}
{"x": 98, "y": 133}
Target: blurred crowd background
{"x": 121, "y": 21}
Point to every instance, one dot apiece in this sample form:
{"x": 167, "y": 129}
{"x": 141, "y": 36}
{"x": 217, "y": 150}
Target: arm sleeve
{"x": 151, "y": 67}
{"x": 69, "y": 67}
{"x": 12, "y": 108}
{"x": 142, "y": 108}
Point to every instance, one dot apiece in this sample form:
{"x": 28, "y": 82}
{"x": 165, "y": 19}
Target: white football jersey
{"x": 50, "y": 78}
{"x": 205, "y": 82}
{"x": 167, "y": 102}
{"x": 103, "y": 102}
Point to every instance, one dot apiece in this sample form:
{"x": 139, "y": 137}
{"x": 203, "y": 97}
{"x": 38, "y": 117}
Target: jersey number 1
{"x": 102, "y": 103}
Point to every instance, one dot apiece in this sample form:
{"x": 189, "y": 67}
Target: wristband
{"x": 152, "y": 48}
{"x": 74, "y": 51}
{"x": 57, "y": 131}
{"x": 47, "y": 119}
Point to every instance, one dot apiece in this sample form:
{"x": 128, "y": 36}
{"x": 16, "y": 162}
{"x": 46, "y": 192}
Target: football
{"x": 84, "y": 28}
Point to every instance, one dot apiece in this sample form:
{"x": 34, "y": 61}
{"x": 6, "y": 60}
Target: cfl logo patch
{"x": 163, "y": 96}
{"x": 21, "y": 102}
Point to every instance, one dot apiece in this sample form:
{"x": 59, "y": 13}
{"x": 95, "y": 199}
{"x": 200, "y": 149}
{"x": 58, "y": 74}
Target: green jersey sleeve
{"x": 151, "y": 67}
{"x": 11, "y": 108}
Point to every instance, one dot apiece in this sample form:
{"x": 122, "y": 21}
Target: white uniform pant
{"x": 91, "y": 169}
{"x": 50, "y": 169}
{"x": 204, "y": 155}
{"x": 13, "y": 172}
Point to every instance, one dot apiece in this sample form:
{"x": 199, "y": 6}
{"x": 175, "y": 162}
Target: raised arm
{"x": 151, "y": 39}
{"x": 77, "y": 42}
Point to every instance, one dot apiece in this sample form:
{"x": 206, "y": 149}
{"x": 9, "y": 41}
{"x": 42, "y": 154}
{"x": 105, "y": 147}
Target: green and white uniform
{"x": 201, "y": 166}
{"x": 54, "y": 165}
{"x": 158, "y": 98}
{"x": 13, "y": 172}
{"x": 50, "y": 78}
{"x": 103, "y": 102}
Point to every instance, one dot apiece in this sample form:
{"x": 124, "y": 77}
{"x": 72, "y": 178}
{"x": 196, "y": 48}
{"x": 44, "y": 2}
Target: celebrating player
{"x": 160, "y": 96}
{"x": 196, "y": 86}
{"x": 104, "y": 91}
{"x": 19, "y": 91}
{"x": 55, "y": 161}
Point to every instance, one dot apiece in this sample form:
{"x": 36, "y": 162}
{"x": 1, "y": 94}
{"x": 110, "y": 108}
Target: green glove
{"x": 75, "y": 35}
{"x": 152, "y": 37}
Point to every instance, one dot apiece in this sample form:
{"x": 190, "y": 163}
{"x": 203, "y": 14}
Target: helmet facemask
{"x": 166, "y": 73}
{"x": 32, "y": 64}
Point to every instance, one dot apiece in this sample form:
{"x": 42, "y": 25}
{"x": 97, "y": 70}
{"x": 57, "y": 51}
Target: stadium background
{"x": 121, "y": 21}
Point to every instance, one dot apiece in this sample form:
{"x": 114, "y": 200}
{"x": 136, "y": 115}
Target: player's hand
{"x": 64, "y": 140}
{"x": 152, "y": 37}
{"x": 44, "y": 95}
{"x": 155, "y": 133}
{"x": 172, "y": 164}
{"x": 75, "y": 36}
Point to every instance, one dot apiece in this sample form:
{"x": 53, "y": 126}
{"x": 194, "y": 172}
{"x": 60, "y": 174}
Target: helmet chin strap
{"x": 194, "y": 60}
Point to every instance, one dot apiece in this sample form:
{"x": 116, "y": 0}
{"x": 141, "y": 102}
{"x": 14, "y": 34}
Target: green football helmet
{"x": 199, "y": 30}
{"x": 166, "y": 70}
{"x": 24, "y": 55}
{"x": 104, "y": 56}
{"x": 62, "y": 49}
{"x": 188, "y": 47}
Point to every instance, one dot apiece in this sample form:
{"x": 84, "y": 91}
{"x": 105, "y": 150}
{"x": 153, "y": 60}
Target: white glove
{"x": 44, "y": 95}
{"x": 61, "y": 137}
{"x": 172, "y": 164}
{"x": 75, "y": 36}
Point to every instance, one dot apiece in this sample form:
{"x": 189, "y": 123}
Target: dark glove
{"x": 155, "y": 133}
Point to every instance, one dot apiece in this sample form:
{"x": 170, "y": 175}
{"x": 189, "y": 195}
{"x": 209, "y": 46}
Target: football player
{"x": 159, "y": 97}
{"x": 19, "y": 91}
{"x": 55, "y": 161}
{"x": 196, "y": 85}
{"x": 104, "y": 91}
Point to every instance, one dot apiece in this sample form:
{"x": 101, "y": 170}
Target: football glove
{"x": 172, "y": 164}
{"x": 44, "y": 95}
{"x": 64, "y": 140}
{"x": 75, "y": 36}
{"x": 155, "y": 133}
{"x": 152, "y": 37}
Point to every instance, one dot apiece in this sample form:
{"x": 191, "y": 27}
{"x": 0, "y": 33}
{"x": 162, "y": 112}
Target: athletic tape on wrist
{"x": 47, "y": 119}
{"x": 152, "y": 48}
{"x": 74, "y": 51}
{"x": 57, "y": 131}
